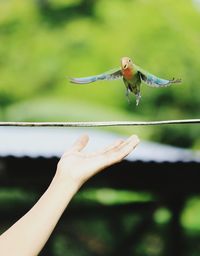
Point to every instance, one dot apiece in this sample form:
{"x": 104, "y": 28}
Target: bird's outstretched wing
{"x": 110, "y": 75}
{"x": 154, "y": 81}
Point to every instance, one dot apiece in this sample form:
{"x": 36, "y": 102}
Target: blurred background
{"x": 44, "y": 41}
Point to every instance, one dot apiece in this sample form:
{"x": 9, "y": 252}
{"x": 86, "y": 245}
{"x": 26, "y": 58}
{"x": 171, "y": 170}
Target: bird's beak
{"x": 125, "y": 66}
{"x": 124, "y": 63}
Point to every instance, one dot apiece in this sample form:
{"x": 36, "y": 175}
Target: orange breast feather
{"x": 128, "y": 73}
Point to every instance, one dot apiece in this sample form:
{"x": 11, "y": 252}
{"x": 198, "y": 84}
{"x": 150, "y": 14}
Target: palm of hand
{"x": 79, "y": 166}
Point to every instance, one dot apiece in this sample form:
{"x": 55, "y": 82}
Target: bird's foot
{"x": 138, "y": 97}
{"x": 127, "y": 96}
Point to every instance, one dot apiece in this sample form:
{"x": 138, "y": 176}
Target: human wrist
{"x": 66, "y": 184}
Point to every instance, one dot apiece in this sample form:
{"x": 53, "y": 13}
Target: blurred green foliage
{"x": 108, "y": 196}
{"x": 43, "y": 41}
{"x": 98, "y": 235}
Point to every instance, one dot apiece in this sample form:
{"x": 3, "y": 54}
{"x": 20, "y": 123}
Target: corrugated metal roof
{"x": 52, "y": 142}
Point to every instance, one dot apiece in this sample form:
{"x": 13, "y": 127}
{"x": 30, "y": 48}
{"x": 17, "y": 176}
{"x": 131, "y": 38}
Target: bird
{"x": 132, "y": 76}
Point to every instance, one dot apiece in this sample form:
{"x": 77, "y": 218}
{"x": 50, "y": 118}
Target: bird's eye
{"x": 129, "y": 60}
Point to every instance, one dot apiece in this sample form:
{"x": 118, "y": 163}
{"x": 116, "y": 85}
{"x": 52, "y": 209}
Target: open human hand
{"x": 74, "y": 168}
{"x": 77, "y": 166}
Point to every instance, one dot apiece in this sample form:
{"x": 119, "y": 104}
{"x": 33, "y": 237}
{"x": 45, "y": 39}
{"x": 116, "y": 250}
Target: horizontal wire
{"x": 100, "y": 123}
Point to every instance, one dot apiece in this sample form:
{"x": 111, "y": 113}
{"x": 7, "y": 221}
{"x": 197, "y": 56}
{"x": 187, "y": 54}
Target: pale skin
{"x": 30, "y": 233}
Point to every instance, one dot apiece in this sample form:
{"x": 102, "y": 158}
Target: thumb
{"x": 80, "y": 143}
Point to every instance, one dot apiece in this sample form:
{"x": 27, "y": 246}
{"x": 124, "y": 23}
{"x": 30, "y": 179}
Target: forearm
{"x": 28, "y": 235}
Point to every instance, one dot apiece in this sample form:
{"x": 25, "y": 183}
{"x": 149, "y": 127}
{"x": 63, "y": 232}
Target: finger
{"x": 108, "y": 148}
{"x": 124, "y": 149}
{"x": 132, "y": 141}
{"x": 81, "y": 143}
{"x": 128, "y": 146}
{"x": 120, "y": 152}
{"x": 118, "y": 146}
{"x": 113, "y": 146}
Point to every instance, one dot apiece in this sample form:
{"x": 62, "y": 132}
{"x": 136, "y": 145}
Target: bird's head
{"x": 126, "y": 63}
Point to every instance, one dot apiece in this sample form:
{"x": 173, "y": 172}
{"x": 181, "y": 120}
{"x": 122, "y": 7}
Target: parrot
{"x": 132, "y": 76}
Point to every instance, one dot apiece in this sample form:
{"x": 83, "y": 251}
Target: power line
{"x": 100, "y": 123}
